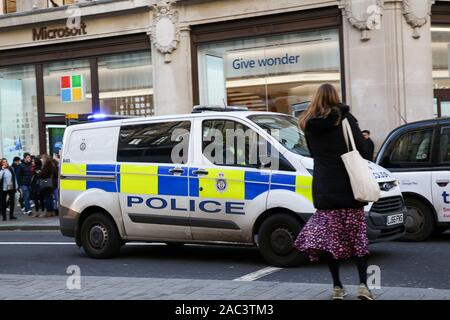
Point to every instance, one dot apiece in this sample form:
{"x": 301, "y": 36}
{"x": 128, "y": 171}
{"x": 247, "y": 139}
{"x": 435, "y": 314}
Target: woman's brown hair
{"x": 325, "y": 99}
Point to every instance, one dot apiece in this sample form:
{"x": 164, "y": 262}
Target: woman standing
{"x": 48, "y": 173}
{"x": 338, "y": 229}
{"x": 36, "y": 195}
{"x": 8, "y": 188}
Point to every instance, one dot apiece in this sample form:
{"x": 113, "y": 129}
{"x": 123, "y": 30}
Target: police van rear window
{"x": 154, "y": 142}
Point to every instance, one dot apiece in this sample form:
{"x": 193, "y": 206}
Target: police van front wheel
{"x": 275, "y": 240}
{"x": 99, "y": 237}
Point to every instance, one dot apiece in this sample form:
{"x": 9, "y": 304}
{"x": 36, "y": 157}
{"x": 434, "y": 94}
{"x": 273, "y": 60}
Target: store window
{"x": 126, "y": 84}
{"x": 18, "y": 112}
{"x": 268, "y": 73}
{"x": 67, "y": 88}
{"x": 441, "y": 76}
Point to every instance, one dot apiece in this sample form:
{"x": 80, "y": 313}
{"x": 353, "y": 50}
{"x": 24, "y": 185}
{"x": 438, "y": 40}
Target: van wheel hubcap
{"x": 281, "y": 241}
{"x": 98, "y": 236}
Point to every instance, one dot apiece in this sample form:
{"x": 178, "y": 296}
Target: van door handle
{"x": 176, "y": 170}
{"x": 442, "y": 182}
{"x": 200, "y": 172}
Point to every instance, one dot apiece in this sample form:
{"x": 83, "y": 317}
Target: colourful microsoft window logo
{"x": 71, "y": 88}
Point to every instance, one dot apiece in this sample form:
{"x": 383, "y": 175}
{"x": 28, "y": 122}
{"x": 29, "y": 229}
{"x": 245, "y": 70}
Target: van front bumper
{"x": 378, "y": 230}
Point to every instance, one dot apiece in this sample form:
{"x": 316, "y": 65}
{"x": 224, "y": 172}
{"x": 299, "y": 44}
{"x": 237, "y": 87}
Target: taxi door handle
{"x": 200, "y": 172}
{"x": 442, "y": 182}
{"x": 176, "y": 171}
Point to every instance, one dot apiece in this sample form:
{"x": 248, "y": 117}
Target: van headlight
{"x": 387, "y": 186}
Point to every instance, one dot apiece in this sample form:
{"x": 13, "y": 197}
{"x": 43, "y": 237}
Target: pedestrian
{"x": 370, "y": 145}
{"x": 24, "y": 173}
{"x": 8, "y": 186}
{"x": 337, "y": 230}
{"x": 16, "y": 163}
{"x": 55, "y": 183}
{"x": 35, "y": 194}
{"x": 47, "y": 189}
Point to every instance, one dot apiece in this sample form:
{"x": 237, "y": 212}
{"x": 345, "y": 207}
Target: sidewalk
{"x": 33, "y": 287}
{"x": 25, "y": 222}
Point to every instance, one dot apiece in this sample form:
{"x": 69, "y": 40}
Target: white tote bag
{"x": 364, "y": 185}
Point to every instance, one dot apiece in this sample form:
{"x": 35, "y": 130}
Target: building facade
{"x": 388, "y": 58}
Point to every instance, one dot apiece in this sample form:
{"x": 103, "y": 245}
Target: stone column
{"x": 388, "y": 73}
{"x": 172, "y": 81}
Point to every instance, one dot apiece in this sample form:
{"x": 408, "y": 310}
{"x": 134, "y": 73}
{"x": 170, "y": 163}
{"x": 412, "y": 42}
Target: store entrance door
{"x": 54, "y": 138}
{"x": 442, "y": 102}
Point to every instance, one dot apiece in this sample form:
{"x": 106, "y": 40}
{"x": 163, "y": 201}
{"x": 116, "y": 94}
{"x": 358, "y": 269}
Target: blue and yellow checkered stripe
{"x": 157, "y": 180}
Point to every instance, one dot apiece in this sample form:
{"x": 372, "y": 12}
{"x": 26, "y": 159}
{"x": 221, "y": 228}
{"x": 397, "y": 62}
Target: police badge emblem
{"x": 221, "y": 183}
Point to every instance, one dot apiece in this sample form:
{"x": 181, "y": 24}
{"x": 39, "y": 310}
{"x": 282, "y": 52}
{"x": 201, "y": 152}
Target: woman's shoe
{"x": 35, "y": 214}
{"x": 50, "y": 214}
{"x": 338, "y": 293}
{"x": 364, "y": 293}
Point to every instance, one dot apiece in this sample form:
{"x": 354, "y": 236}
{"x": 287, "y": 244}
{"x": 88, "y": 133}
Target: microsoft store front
{"x": 267, "y": 63}
{"x": 40, "y": 86}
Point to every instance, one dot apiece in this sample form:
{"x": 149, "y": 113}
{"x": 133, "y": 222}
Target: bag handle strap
{"x": 348, "y": 133}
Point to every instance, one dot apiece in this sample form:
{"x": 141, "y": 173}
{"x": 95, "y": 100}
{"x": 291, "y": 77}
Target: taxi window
{"x": 154, "y": 142}
{"x": 413, "y": 147}
{"x": 444, "y": 151}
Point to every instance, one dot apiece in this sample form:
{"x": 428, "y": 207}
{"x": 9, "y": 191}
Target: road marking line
{"x": 73, "y": 243}
{"x": 258, "y": 274}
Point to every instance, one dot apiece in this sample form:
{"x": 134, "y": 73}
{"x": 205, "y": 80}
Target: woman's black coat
{"x": 331, "y": 184}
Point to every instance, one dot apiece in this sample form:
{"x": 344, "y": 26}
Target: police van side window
{"x": 154, "y": 142}
{"x": 411, "y": 148}
{"x": 444, "y": 146}
{"x": 227, "y": 142}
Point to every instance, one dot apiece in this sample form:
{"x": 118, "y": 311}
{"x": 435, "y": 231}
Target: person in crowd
{"x": 36, "y": 196}
{"x": 48, "y": 173}
{"x": 370, "y": 145}
{"x": 15, "y": 165}
{"x": 337, "y": 230}
{"x": 24, "y": 173}
{"x": 8, "y": 187}
{"x": 55, "y": 183}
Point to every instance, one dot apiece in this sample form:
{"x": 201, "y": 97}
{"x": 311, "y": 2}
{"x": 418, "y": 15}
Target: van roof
{"x": 111, "y": 123}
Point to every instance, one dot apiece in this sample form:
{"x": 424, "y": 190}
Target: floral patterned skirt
{"x": 341, "y": 232}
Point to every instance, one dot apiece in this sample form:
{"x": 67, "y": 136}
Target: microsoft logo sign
{"x": 72, "y": 88}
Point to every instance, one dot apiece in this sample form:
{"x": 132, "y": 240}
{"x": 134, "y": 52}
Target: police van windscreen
{"x": 286, "y": 130}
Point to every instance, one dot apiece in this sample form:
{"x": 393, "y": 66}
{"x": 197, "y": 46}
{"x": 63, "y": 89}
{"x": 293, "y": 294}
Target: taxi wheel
{"x": 275, "y": 240}
{"x": 419, "y": 221}
{"x": 99, "y": 237}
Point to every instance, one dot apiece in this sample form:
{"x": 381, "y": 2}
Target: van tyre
{"x": 419, "y": 221}
{"x": 99, "y": 237}
{"x": 275, "y": 240}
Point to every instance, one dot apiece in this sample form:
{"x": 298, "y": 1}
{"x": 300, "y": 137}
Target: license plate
{"x": 394, "y": 219}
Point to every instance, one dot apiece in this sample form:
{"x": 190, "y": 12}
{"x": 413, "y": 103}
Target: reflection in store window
{"x": 67, "y": 87}
{"x": 268, "y": 73}
{"x": 18, "y": 112}
{"x": 126, "y": 84}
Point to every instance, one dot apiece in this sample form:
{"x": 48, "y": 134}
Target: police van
{"x": 418, "y": 155}
{"x": 172, "y": 179}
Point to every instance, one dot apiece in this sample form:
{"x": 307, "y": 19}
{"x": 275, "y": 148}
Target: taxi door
{"x": 440, "y": 179}
{"x": 225, "y": 186}
{"x": 153, "y": 182}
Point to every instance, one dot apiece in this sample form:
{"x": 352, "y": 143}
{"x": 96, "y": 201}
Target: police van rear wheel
{"x": 419, "y": 221}
{"x": 275, "y": 240}
{"x": 99, "y": 237}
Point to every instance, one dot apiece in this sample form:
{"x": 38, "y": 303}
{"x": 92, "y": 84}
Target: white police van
{"x": 418, "y": 155}
{"x": 171, "y": 179}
